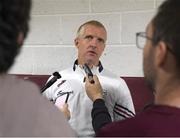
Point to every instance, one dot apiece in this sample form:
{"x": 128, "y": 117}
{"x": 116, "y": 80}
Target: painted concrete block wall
{"x": 49, "y": 46}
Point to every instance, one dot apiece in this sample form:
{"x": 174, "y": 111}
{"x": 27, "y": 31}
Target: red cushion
{"x": 142, "y": 96}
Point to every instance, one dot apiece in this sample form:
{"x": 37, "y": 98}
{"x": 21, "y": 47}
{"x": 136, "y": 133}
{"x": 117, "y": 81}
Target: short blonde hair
{"x": 92, "y": 22}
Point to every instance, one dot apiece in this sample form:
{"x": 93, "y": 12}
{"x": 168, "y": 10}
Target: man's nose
{"x": 94, "y": 42}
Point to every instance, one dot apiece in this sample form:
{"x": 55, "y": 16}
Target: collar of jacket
{"x": 100, "y": 67}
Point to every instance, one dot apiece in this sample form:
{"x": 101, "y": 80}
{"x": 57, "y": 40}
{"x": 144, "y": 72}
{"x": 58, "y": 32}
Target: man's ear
{"x": 20, "y": 39}
{"x": 76, "y": 42}
{"x": 161, "y": 53}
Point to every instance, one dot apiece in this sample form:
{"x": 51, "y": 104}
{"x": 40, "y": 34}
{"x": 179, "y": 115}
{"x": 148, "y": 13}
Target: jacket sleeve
{"x": 100, "y": 115}
{"x": 123, "y": 107}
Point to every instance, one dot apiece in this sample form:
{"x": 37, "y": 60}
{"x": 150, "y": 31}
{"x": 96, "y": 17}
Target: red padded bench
{"x": 141, "y": 95}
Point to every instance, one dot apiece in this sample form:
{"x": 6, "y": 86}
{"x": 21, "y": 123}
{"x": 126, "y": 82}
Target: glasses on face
{"x": 141, "y": 38}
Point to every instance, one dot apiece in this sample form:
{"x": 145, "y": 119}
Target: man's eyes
{"x": 90, "y": 37}
{"x": 100, "y": 40}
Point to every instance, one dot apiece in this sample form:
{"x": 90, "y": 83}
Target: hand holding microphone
{"x": 94, "y": 90}
{"x": 65, "y": 111}
{"x": 92, "y": 85}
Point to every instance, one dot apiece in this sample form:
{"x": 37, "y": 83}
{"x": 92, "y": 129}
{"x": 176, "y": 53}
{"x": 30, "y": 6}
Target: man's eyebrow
{"x": 90, "y": 35}
{"x": 102, "y": 39}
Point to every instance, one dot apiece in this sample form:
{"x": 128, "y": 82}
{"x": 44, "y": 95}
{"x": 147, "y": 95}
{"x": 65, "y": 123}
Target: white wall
{"x": 49, "y": 46}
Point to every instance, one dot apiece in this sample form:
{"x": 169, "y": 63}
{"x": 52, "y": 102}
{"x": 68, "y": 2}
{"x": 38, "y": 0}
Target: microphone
{"x": 88, "y": 72}
{"x": 51, "y": 82}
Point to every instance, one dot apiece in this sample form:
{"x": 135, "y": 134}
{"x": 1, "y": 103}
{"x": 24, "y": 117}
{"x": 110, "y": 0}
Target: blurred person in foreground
{"x": 161, "y": 65}
{"x": 24, "y": 112}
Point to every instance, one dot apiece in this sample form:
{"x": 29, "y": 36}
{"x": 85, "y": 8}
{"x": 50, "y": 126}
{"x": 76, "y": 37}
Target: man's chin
{"x": 90, "y": 61}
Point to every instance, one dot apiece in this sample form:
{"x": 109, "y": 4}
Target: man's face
{"x": 90, "y": 44}
{"x": 148, "y": 59}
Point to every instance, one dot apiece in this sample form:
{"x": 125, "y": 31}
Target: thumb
{"x": 96, "y": 79}
{"x": 65, "y": 105}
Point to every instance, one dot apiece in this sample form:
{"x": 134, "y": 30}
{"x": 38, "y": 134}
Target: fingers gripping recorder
{"x": 88, "y": 72}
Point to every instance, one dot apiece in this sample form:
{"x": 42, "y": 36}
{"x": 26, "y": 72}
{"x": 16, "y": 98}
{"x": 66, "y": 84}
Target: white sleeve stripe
{"x": 123, "y": 109}
{"x": 121, "y": 114}
{"x": 119, "y": 111}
